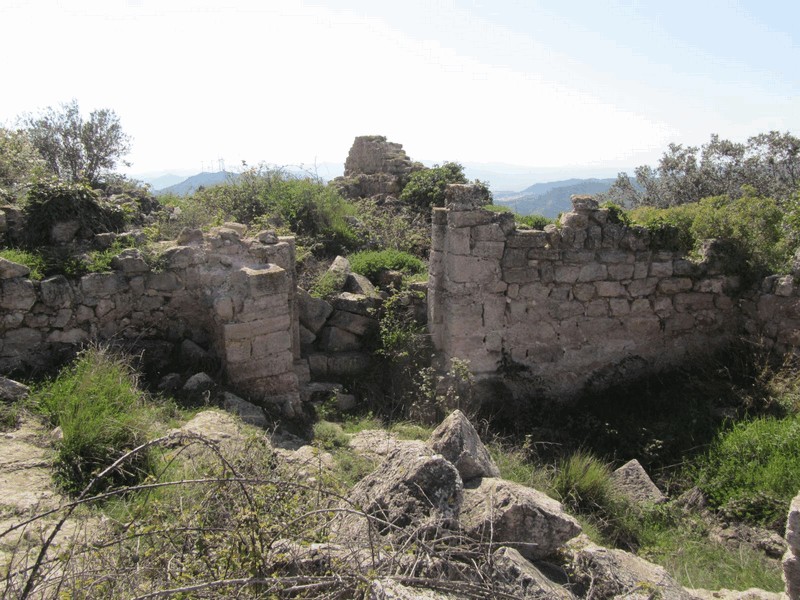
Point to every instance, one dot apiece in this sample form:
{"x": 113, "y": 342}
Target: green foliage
{"x": 33, "y": 260}
{"x": 754, "y": 223}
{"x": 752, "y": 470}
{"x": 9, "y": 416}
{"x": 371, "y": 263}
{"x": 393, "y": 227}
{"x": 768, "y": 162}
{"x": 328, "y": 284}
{"x": 51, "y": 202}
{"x": 583, "y": 482}
{"x": 680, "y": 543}
{"x": 426, "y": 188}
{"x": 523, "y": 221}
{"x": 533, "y": 221}
{"x": 102, "y": 415}
{"x": 330, "y": 435}
{"x": 20, "y": 163}
{"x": 75, "y": 149}
{"x": 616, "y": 213}
{"x": 762, "y": 233}
{"x": 269, "y": 198}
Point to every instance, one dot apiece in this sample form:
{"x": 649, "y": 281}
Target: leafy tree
{"x": 769, "y": 163}
{"x": 75, "y": 149}
{"x": 426, "y": 188}
{"x": 20, "y": 163}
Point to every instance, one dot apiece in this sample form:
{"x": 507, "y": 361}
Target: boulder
{"x": 456, "y": 439}
{"x": 412, "y": 488}
{"x": 247, "y": 411}
{"x": 358, "y": 284}
{"x": 791, "y": 559}
{"x": 313, "y": 312}
{"x": 334, "y": 339}
{"x": 389, "y": 589}
{"x": 130, "y": 261}
{"x": 198, "y": 386}
{"x": 9, "y": 269}
{"x": 12, "y": 391}
{"x": 509, "y": 513}
{"x": 512, "y": 569}
{"x": 632, "y": 482}
{"x": 611, "y": 573}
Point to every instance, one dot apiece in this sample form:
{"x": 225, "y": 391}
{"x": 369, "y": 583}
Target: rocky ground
{"x": 434, "y": 520}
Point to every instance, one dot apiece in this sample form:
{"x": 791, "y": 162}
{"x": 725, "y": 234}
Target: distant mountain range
{"x": 551, "y": 198}
{"x": 548, "y": 199}
{"x": 191, "y": 184}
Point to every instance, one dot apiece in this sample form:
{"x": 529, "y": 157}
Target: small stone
{"x": 268, "y": 237}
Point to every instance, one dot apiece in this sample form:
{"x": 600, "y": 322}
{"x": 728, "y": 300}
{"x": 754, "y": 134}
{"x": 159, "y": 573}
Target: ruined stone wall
{"x": 572, "y": 307}
{"x": 233, "y": 295}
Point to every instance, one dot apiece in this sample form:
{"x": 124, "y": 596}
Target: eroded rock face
{"x": 505, "y": 512}
{"x": 523, "y": 575}
{"x": 456, "y": 439}
{"x": 613, "y": 573}
{"x": 412, "y": 488}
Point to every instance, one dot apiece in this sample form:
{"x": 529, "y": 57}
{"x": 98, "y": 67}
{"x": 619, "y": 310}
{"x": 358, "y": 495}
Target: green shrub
{"x": 371, "y": 263}
{"x": 33, "y": 260}
{"x": 51, "y": 201}
{"x": 670, "y": 228}
{"x": 752, "y": 470}
{"x": 583, "y": 482}
{"x": 102, "y": 415}
{"x": 315, "y": 213}
{"x": 330, "y": 435}
{"x": 754, "y": 223}
{"x": 533, "y": 221}
{"x": 427, "y": 188}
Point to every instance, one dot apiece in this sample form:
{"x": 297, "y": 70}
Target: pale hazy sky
{"x": 583, "y": 84}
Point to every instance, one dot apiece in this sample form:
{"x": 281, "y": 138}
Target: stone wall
{"x": 234, "y": 295}
{"x": 375, "y": 167}
{"x": 574, "y": 307}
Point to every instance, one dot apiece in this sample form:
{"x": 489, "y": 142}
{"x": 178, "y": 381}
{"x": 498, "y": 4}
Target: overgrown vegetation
{"x": 102, "y": 415}
{"x": 372, "y": 263}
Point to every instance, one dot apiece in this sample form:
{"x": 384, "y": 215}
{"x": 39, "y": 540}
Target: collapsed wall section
{"x": 580, "y": 305}
{"x": 235, "y": 295}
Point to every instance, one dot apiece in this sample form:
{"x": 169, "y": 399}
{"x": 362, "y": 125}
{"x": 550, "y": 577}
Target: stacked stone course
{"x": 584, "y": 303}
{"x": 234, "y": 294}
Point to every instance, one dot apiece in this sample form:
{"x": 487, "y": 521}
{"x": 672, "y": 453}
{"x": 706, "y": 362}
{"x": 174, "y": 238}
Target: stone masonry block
{"x": 528, "y": 238}
{"x": 488, "y": 233}
{"x": 271, "y": 344}
{"x": 515, "y": 258}
{"x": 492, "y": 250}
{"x": 252, "y": 329}
{"x": 458, "y": 241}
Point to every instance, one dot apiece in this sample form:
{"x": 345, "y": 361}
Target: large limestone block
{"x": 791, "y": 560}
{"x": 618, "y": 574}
{"x": 509, "y": 513}
{"x": 512, "y": 568}
{"x": 313, "y": 312}
{"x": 12, "y": 391}
{"x": 456, "y": 439}
{"x": 632, "y": 481}
{"x": 17, "y": 294}
{"x": 412, "y": 487}
{"x": 9, "y": 269}
{"x": 355, "y": 324}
